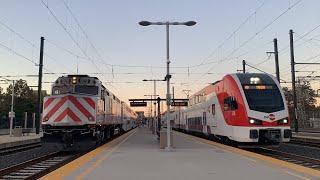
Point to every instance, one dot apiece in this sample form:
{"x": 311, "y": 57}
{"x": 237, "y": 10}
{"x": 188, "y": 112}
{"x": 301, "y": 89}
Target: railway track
{"x": 292, "y": 158}
{"x": 20, "y": 148}
{"x": 304, "y": 143}
{"x": 38, "y": 167}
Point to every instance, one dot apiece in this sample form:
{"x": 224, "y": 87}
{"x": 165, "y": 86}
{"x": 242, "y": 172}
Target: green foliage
{"x": 24, "y": 99}
{"x": 304, "y": 94}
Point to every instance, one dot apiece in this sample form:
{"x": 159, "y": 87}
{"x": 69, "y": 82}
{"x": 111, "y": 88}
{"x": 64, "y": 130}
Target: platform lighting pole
{"x": 150, "y": 115}
{"x": 168, "y": 76}
{"x": 155, "y": 95}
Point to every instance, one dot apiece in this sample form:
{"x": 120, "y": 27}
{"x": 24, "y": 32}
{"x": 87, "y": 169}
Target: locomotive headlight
{"x": 90, "y": 118}
{"x": 255, "y": 122}
{"x": 254, "y": 80}
{"x": 283, "y": 121}
{"x": 46, "y": 118}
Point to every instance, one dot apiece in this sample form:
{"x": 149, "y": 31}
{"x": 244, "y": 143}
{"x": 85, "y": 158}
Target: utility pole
{"x": 159, "y": 117}
{"x": 293, "y": 79}
{"x": 276, "y": 57}
{"x": 244, "y": 66}
{"x": 39, "y": 87}
{"x": 11, "y": 114}
{"x": 172, "y": 92}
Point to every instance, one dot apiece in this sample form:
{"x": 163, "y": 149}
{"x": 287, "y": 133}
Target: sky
{"x": 103, "y": 39}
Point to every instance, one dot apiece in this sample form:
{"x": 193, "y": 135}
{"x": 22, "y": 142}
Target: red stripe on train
{"x": 48, "y": 102}
{"x": 90, "y": 102}
{"x": 68, "y": 112}
{"x": 80, "y": 107}
{"x": 57, "y": 106}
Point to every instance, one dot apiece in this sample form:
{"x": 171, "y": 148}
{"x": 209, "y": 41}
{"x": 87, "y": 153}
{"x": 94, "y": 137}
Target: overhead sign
{"x": 175, "y": 103}
{"x": 138, "y": 104}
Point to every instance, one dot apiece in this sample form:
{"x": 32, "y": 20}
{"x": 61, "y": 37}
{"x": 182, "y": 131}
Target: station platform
{"x": 7, "y": 142}
{"x": 136, "y": 155}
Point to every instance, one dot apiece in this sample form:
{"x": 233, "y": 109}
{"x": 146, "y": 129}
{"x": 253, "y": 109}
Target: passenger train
{"x": 81, "y": 113}
{"x": 247, "y": 109}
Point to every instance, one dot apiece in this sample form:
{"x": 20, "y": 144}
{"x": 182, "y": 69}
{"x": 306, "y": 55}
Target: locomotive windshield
{"x": 62, "y": 89}
{"x": 78, "y": 89}
{"x": 85, "y": 89}
{"x": 261, "y": 92}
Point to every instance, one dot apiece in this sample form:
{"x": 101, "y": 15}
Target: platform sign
{"x": 175, "y": 103}
{"x": 138, "y": 104}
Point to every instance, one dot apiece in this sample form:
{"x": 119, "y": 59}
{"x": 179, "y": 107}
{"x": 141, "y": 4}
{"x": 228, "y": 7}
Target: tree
{"x": 24, "y": 99}
{"x": 21, "y": 89}
{"x": 304, "y": 94}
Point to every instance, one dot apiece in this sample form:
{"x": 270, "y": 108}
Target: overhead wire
{"x": 72, "y": 38}
{"x": 232, "y": 34}
{"x": 31, "y": 44}
{"x": 257, "y": 33}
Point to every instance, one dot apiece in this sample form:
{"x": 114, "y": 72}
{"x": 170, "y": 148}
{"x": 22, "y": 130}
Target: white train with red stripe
{"x": 248, "y": 109}
{"x": 81, "y": 111}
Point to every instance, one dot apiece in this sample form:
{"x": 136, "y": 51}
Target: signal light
{"x": 74, "y": 80}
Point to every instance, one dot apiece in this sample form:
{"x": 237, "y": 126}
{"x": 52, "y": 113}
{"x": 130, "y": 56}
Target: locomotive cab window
{"x": 230, "y": 103}
{"x": 62, "y": 89}
{"x": 84, "y": 89}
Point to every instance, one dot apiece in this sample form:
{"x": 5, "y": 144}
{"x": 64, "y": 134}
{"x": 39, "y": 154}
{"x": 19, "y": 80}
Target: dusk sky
{"x": 124, "y": 53}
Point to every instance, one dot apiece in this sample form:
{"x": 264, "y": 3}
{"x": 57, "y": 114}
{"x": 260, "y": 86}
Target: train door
{"x": 204, "y": 122}
{"x": 213, "y": 115}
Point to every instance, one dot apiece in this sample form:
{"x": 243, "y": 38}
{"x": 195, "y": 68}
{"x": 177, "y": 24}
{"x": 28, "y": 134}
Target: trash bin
{"x": 163, "y": 138}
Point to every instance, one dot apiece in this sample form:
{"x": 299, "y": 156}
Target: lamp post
{"x": 155, "y": 96}
{"x": 151, "y": 123}
{"x": 168, "y": 76}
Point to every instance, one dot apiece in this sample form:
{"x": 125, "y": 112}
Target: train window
{"x": 230, "y": 103}
{"x": 226, "y": 104}
{"x": 84, "y": 89}
{"x": 266, "y": 100}
{"x": 233, "y": 103}
{"x": 62, "y": 89}
{"x": 213, "y": 109}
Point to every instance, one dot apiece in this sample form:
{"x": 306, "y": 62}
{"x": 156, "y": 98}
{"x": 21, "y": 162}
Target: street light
{"x": 151, "y": 124}
{"x": 155, "y": 107}
{"x": 168, "y": 76}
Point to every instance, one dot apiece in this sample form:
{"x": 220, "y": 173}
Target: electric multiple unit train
{"x": 248, "y": 109}
{"x": 81, "y": 112}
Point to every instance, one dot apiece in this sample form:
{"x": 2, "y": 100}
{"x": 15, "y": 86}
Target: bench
{"x": 26, "y": 131}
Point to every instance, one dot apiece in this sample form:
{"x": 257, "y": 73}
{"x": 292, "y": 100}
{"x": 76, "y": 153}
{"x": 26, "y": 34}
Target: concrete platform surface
{"x": 136, "y": 156}
{"x": 6, "y": 141}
